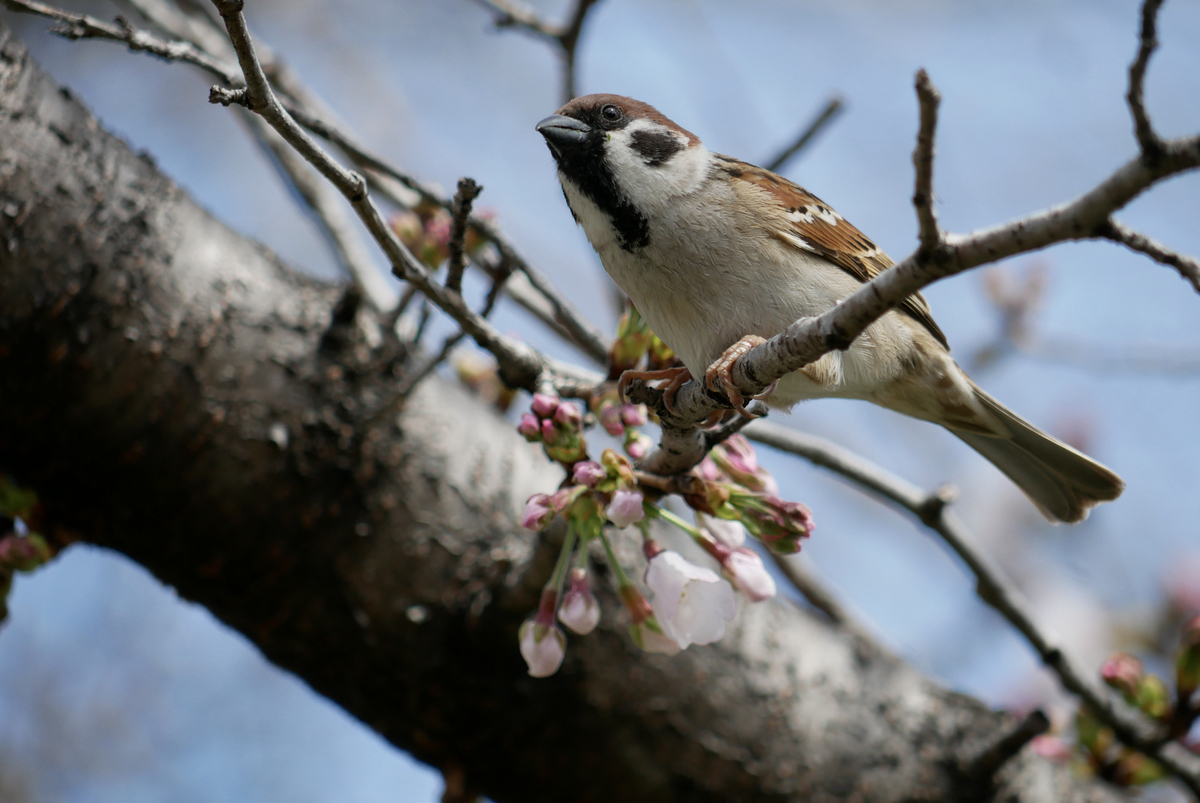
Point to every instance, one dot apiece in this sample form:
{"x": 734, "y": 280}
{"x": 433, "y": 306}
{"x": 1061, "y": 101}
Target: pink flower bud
{"x": 745, "y": 570}
{"x": 568, "y": 416}
{"x": 438, "y": 228}
{"x": 637, "y": 445}
{"x": 539, "y": 512}
{"x": 542, "y": 646}
{"x": 589, "y": 473}
{"x": 530, "y": 427}
{"x": 737, "y": 458}
{"x": 633, "y": 415}
{"x": 549, "y": 433}
{"x": 625, "y": 508}
{"x": 580, "y": 610}
{"x": 1123, "y": 672}
{"x": 543, "y": 406}
{"x": 708, "y": 471}
{"x": 610, "y": 419}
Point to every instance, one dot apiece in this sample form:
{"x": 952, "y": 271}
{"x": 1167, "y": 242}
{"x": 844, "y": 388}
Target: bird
{"x": 718, "y": 255}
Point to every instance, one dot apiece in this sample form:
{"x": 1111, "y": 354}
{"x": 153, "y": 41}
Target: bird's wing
{"x": 809, "y": 224}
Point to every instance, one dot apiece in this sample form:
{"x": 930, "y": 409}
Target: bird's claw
{"x": 719, "y": 375}
{"x": 676, "y": 378}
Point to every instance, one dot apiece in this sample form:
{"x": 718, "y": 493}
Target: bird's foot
{"x": 719, "y": 375}
{"x": 676, "y": 378}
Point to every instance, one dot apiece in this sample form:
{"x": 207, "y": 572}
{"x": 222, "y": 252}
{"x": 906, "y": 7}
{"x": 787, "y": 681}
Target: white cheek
{"x": 652, "y": 187}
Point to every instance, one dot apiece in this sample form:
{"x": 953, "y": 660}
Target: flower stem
{"x": 622, "y": 578}
{"x": 564, "y": 561}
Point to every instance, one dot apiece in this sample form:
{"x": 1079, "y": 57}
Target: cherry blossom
{"x": 691, "y": 603}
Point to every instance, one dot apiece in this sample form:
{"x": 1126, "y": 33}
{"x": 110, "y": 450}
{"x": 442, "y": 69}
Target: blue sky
{"x": 1032, "y": 114}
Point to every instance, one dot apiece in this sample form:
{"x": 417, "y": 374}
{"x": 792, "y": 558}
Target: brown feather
{"x": 811, "y": 224}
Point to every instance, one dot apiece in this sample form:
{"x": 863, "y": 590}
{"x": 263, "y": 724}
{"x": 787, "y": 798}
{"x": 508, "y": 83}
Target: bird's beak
{"x": 563, "y": 133}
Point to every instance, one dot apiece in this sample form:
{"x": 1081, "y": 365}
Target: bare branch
{"x": 569, "y": 40}
{"x": 331, "y": 215}
{"x": 468, "y": 191}
{"x": 929, "y": 99}
{"x": 82, "y": 26}
{"x": 932, "y": 509}
{"x": 519, "y": 364}
{"x": 1188, "y": 267}
{"x": 1150, "y": 142}
{"x": 808, "y": 339}
{"x": 414, "y": 378}
{"x": 515, "y": 14}
{"x": 818, "y": 124}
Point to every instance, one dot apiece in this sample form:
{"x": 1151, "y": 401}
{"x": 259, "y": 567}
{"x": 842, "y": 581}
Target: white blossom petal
{"x": 691, "y": 603}
{"x": 728, "y": 533}
{"x": 544, "y": 655}
{"x": 579, "y": 611}
{"x": 745, "y": 568}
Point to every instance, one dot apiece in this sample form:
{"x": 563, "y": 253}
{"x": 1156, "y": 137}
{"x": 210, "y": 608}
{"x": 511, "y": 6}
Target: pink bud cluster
{"x": 425, "y": 230}
{"x": 621, "y": 419}
{"x": 558, "y": 426}
{"x": 735, "y": 488}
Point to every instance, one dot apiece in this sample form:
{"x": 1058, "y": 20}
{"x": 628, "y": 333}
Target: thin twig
{"x": 1188, "y": 267}
{"x": 1150, "y": 142}
{"x": 415, "y": 378}
{"x": 520, "y": 366}
{"x": 83, "y": 26}
{"x": 932, "y": 509}
{"x": 330, "y": 214}
{"x": 569, "y": 41}
{"x": 818, "y": 124}
{"x": 467, "y": 192}
{"x": 929, "y": 99}
{"x": 515, "y": 14}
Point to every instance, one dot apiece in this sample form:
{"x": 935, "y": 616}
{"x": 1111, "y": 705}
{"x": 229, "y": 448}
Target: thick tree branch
{"x": 552, "y": 308}
{"x": 173, "y": 392}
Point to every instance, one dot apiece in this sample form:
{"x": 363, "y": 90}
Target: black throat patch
{"x": 656, "y": 147}
{"x": 588, "y": 170}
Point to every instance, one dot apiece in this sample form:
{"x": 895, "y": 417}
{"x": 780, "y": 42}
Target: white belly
{"x": 701, "y": 294}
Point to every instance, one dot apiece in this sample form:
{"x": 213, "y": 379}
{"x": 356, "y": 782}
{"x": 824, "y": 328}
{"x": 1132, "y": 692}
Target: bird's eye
{"x": 610, "y": 113}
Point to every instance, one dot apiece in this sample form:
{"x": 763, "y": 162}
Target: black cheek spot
{"x": 656, "y": 147}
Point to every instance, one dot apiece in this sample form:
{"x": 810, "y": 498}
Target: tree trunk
{"x": 175, "y": 393}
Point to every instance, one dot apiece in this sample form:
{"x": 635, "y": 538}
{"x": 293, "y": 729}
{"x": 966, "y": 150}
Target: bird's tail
{"x": 1063, "y": 483}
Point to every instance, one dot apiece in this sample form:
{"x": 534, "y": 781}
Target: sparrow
{"x": 717, "y": 255}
